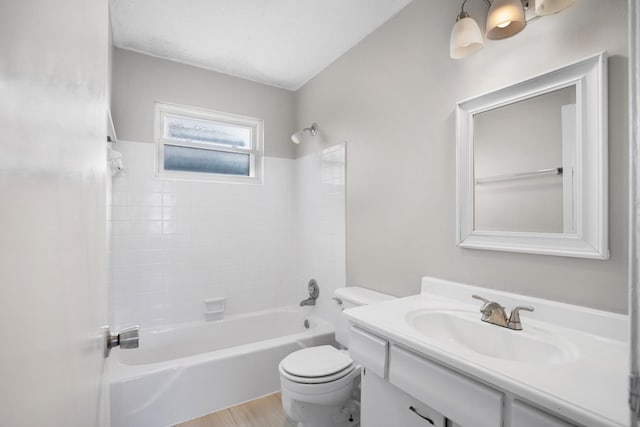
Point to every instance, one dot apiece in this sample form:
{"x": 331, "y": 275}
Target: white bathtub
{"x": 184, "y": 372}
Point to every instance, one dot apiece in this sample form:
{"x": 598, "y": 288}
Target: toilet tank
{"x": 353, "y": 296}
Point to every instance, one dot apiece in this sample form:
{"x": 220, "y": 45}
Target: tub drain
{"x": 306, "y": 323}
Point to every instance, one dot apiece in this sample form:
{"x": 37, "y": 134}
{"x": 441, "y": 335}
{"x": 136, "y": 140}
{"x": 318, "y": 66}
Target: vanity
{"x": 429, "y": 360}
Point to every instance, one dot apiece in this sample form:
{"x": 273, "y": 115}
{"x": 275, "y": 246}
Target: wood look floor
{"x": 264, "y": 412}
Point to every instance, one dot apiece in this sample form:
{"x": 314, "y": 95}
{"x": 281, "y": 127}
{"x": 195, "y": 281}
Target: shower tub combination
{"x": 184, "y": 372}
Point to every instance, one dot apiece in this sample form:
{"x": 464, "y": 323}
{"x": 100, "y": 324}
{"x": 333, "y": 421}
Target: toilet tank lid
{"x": 361, "y": 296}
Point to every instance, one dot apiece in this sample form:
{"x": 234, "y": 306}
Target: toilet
{"x": 321, "y": 385}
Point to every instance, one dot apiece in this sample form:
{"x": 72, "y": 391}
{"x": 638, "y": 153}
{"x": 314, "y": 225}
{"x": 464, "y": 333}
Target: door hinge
{"x": 634, "y": 393}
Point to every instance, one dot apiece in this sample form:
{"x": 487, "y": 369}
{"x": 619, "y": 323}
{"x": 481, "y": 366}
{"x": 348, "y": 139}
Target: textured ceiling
{"x": 281, "y": 43}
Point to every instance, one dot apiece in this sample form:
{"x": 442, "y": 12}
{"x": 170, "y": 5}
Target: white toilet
{"x": 321, "y": 385}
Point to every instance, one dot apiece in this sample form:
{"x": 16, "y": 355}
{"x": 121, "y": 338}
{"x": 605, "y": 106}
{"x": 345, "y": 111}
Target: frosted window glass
{"x": 210, "y": 161}
{"x": 187, "y": 128}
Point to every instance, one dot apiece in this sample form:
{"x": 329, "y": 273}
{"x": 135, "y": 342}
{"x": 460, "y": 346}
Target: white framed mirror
{"x": 532, "y": 165}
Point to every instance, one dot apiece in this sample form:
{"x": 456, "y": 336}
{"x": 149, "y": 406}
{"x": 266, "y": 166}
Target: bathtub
{"x": 184, "y": 372}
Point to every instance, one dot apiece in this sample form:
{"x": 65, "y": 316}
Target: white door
{"x": 53, "y": 292}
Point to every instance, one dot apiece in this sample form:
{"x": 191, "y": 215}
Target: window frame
{"x": 255, "y": 152}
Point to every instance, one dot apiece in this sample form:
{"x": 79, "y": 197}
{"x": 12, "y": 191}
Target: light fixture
{"x": 297, "y": 137}
{"x": 466, "y": 37}
{"x": 549, "y": 7}
{"x": 505, "y": 19}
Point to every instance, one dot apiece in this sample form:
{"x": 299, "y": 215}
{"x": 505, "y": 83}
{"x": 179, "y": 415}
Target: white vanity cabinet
{"x": 403, "y": 388}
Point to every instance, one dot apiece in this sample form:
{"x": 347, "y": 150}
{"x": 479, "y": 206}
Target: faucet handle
{"x": 483, "y": 299}
{"x": 514, "y": 318}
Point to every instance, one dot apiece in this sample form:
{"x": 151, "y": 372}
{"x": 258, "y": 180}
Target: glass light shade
{"x": 505, "y": 19}
{"x": 297, "y": 137}
{"x": 549, "y": 7}
{"x": 466, "y": 38}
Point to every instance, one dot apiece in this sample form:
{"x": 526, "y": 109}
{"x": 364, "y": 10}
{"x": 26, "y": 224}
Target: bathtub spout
{"x": 314, "y": 292}
{"x": 308, "y": 301}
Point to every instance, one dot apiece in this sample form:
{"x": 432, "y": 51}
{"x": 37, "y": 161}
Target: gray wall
{"x": 139, "y": 80}
{"x": 392, "y": 98}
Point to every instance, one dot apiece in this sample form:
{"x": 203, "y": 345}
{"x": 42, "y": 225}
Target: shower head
{"x": 297, "y": 137}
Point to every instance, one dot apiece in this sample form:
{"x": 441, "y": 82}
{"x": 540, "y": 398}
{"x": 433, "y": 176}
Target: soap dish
{"x": 214, "y": 308}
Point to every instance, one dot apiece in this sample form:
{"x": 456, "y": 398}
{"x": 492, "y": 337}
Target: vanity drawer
{"x": 464, "y": 401}
{"x": 523, "y": 415}
{"x": 369, "y": 350}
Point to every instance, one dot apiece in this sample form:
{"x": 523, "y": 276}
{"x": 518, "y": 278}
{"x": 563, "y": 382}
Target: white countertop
{"x": 590, "y": 389}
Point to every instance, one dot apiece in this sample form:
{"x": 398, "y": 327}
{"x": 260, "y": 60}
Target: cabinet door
{"x": 460, "y": 398}
{"x": 384, "y": 405}
{"x": 523, "y": 415}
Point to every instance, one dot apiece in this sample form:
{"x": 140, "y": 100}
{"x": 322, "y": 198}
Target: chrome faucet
{"x": 493, "y": 312}
{"x": 314, "y": 292}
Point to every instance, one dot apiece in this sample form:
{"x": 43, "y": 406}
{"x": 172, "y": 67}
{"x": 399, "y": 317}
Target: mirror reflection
{"x": 523, "y": 165}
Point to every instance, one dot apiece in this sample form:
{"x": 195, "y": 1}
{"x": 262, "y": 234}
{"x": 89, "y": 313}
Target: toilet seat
{"x": 317, "y": 380}
{"x": 316, "y": 365}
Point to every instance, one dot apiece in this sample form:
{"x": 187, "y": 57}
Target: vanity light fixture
{"x": 297, "y": 137}
{"x": 505, "y": 18}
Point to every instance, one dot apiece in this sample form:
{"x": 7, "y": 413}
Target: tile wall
{"x": 176, "y": 243}
{"x": 321, "y": 234}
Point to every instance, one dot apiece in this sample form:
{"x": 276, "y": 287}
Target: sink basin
{"x": 463, "y": 329}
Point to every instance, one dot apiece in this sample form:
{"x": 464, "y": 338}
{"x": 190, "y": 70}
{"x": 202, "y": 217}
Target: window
{"x": 200, "y": 144}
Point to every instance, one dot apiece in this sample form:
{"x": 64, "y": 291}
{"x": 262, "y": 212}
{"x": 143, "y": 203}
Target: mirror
{"x": 523, "y": 178}
{"x": 532, "y": 165}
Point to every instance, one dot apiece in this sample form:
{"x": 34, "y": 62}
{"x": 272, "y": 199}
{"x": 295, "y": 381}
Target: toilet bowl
{"x": 318, "y": 386}
{"x": 321, "y": 385}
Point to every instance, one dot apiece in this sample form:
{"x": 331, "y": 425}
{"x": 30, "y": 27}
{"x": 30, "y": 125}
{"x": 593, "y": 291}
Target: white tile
{"x": 154, "y": 227}
{"x": 119, "y": 213}
{"x": 138, "y": 213}
{"x": 169, "y": 199}
{"x": 153, "y": 186}
{"x": 154, "y": 213}
{"x": 138, "y": 228}
{"x": 183, "y": 241}
{"x": 137, "y": 198}
{"x": 169, "y": 227}
{"x": 119, "y": 228}
{"x": 120, "y": 199}
{"x": 169, "y": 213}
{"x": 154, "y": 199}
